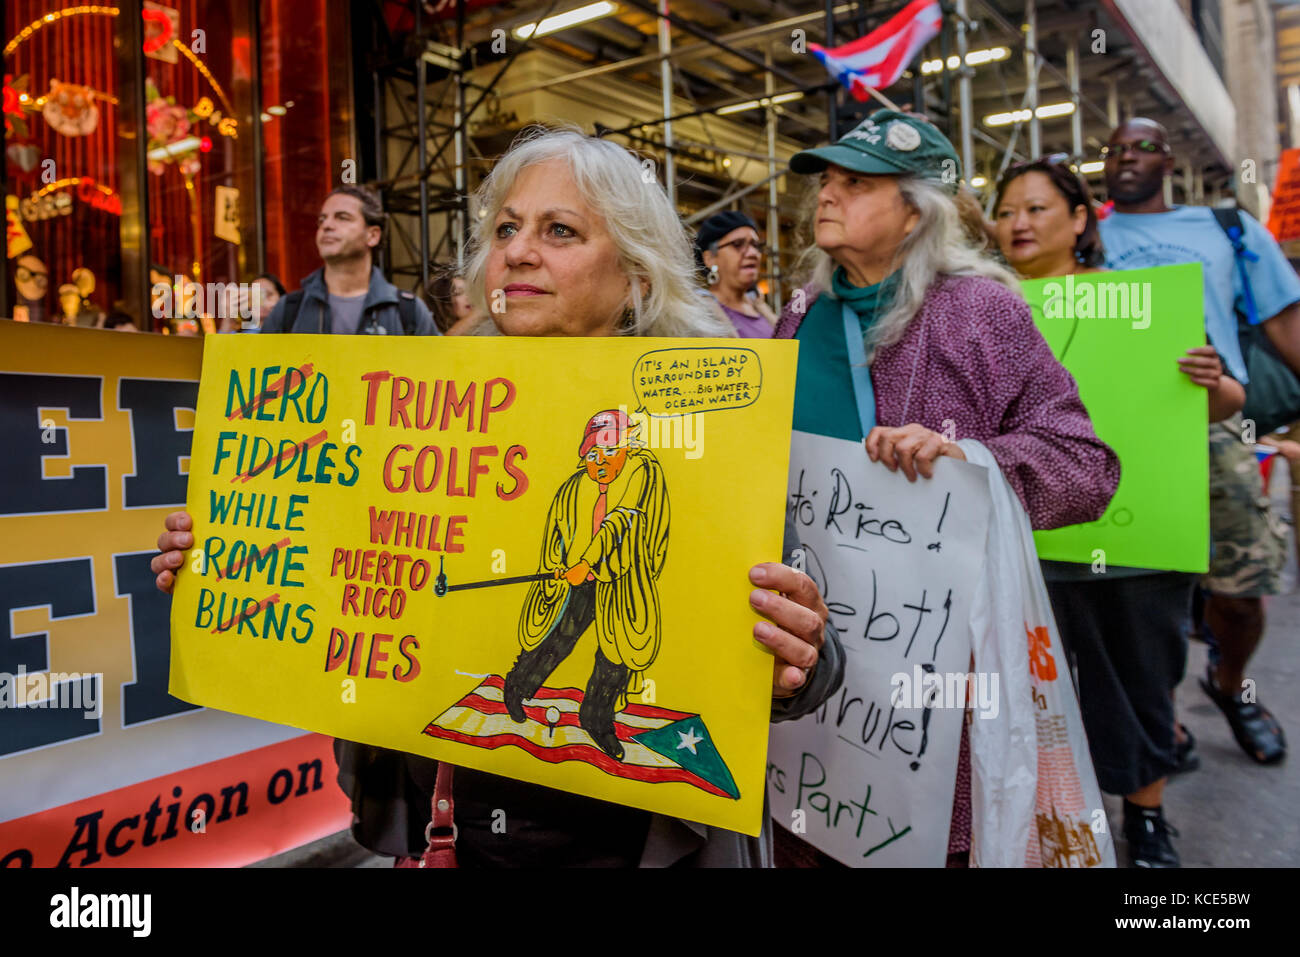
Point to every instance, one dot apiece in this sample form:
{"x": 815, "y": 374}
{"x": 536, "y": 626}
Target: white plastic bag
{"x": 1034, "y": 795}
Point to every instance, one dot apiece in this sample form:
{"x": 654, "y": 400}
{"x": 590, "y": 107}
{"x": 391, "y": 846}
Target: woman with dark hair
{"x": 729, "y": 253}
{"x": 450, "y": 303}
{"x": 1113, "y": 622}
{"x": 269, "y": 290}
{"x": 1046, "y": 226}
{"x": 272, "y": 280}
{"x": 1044, "y": 220}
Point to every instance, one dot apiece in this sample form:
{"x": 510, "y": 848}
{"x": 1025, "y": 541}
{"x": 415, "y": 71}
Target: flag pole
{"x": 889, "y": 104}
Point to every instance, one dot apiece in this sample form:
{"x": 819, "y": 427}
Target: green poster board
{"x": 1120, "y": 334}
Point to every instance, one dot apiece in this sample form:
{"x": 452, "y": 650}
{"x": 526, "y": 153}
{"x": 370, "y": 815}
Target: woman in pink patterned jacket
{"x": 944, "y": 344}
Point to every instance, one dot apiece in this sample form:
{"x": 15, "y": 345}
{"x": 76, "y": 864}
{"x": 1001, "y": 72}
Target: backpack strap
{"x": 1229, "y": 220}
{"x": 292, "y": 303}
{"x": 406, "y": 309}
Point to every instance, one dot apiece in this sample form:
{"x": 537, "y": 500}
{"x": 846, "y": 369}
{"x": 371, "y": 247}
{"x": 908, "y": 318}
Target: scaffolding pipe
{"x": 707, "y": 111}
{"x": 964, "y": 73}
{"x": 666, "y": 90}
{"x": 773, "y": 211}
{"x": 684, "y": 145}
{"x": 679, "y": 54}
{"x": 1031, "y": 77}
{"x": 703, "y": 34}
{"x": 485, "y": 91}
{"x": 995, "y": 15}
{"x": 997, "y": 144}
{"x": 946, "y": 81}
{"x": 422, "y": 149}
{"x": 1076, "y": 118}
{"x": 461, "y": 134}
{"x": 727, "y": 200}
{"x": 1008, "y": 151}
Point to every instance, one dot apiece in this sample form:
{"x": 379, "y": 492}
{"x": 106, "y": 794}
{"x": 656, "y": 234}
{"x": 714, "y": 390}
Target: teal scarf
{"x": 824, "y": 402}
{"x": 867, "y": 301}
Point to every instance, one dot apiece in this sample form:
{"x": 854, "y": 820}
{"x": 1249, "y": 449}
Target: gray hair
{"x": 653, "y": 244}
{"x": 938, "y": 245}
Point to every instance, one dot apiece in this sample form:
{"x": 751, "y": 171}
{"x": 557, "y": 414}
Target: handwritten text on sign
{"x": 869, "y": 778}
{"x": 471, "y": 550}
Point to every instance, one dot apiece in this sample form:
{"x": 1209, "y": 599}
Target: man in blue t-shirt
{"x": 1247, "y": 552}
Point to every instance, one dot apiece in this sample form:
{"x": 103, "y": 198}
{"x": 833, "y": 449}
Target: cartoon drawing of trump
{"x": 603, "y": 548}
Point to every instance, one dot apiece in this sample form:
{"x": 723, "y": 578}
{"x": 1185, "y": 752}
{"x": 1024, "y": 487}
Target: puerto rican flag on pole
{"x": 879, "y": 59}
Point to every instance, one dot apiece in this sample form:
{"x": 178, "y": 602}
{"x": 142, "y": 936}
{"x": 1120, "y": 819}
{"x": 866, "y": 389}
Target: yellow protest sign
{"x": 526, "y": 556}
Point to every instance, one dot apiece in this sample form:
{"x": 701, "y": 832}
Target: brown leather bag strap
{"x": 441, "y": 831}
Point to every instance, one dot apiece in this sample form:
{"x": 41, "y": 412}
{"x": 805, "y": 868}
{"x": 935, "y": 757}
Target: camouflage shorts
{"x": 1249, "y": 540}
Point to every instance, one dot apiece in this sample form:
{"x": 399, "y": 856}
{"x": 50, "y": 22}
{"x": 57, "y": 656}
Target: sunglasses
{"x": 1142, "y": 146}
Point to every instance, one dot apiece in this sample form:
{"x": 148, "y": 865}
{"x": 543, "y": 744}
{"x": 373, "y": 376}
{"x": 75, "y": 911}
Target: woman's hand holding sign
{"x": 796, "y": 623}
{"x": 171, "y": 549}
{"x": 913, "y": 448}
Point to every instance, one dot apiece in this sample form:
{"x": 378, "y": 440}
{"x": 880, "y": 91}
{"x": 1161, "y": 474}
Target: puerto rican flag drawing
{"x": 879, "y": 59}
{"x": 659, "y": 745}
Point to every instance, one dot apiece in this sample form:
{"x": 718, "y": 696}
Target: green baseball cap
{"x": 888, "y": 143}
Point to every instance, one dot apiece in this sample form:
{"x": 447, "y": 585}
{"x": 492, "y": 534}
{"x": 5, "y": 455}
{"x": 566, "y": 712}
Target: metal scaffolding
{"x": 412, "y": 77}
{"x": 424, "y": 103}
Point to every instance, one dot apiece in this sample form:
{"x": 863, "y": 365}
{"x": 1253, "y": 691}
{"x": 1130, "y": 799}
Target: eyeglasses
{"x": 743, "y": 244}
{"x": 1142, "y": 146}
{"x": 23, "y": 274}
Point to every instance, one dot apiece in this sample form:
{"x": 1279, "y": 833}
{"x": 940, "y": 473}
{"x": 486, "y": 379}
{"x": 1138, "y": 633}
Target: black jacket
{"x": 378, "y": 315}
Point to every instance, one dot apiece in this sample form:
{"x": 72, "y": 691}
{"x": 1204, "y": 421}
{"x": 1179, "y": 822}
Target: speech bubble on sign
{"x": 696, "y": 379}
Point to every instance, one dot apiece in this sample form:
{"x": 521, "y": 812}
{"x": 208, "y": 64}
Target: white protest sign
{"x": 869, "y": 777}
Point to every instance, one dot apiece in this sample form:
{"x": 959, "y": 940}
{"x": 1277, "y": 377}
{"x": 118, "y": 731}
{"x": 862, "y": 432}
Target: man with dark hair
{"x": 1247, "y": 542}
{"x": 349, "y": 295}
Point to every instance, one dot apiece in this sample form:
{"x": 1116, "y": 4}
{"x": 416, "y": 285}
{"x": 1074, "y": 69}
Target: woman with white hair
{"x": 576, "y": 239}
{"x": 910, "y": 340}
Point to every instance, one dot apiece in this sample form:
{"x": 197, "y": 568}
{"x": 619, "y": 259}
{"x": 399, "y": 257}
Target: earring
{"x": 713, "y": 275}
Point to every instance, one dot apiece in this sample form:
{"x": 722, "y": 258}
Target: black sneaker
{"x": 1186, "y": 757}
{"x": 1147, "y": 833}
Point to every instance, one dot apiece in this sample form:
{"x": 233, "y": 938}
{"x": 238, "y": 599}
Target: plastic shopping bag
{"x": 1035, "y": 800}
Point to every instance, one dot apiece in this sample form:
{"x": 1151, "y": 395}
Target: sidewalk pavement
{"x": 1232, "y": 812}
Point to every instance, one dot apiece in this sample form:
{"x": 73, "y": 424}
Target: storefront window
{"x": 307, "y": 109}
{"x": 243, "y": 124}
{"x": 62, "y": 204}
{"x": 200, "y": 148}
